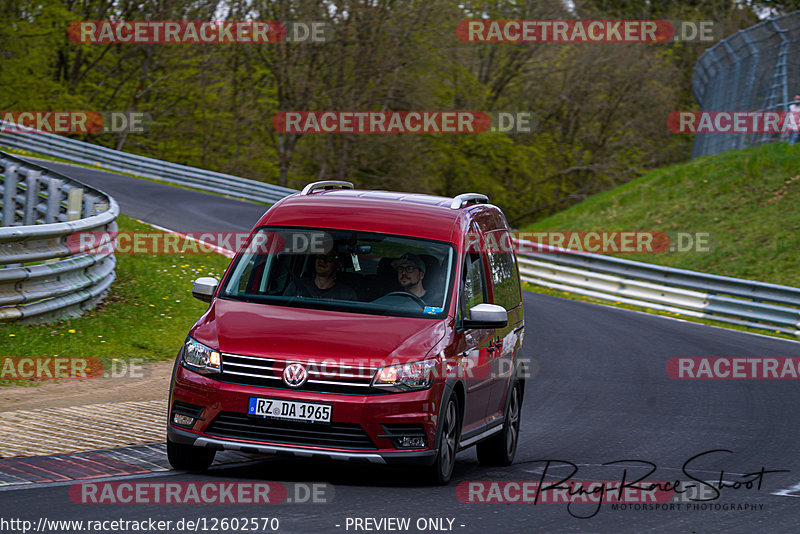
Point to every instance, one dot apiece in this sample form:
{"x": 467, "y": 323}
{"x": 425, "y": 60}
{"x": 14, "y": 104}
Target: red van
{"x": 358, "y": 325}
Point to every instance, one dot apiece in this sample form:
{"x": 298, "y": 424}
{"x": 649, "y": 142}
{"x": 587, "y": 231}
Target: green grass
{"x": 748, "y": 200}
{"x": 146, "y": 316}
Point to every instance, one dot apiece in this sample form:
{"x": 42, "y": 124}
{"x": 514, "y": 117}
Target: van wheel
{"x": 499, "y": 450}
{"x": 189, "y": 458}
{"x": 442, "y": 469}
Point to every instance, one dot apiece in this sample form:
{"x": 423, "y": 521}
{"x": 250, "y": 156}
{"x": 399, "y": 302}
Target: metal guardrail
{"x": 691, "y": 293}
{"x": 41, "y": 278}
{"x": 80, "y": 152}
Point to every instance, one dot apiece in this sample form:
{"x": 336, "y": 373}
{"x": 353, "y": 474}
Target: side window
{"x": 473, "y": 290}
{"x": 504, "y": 274}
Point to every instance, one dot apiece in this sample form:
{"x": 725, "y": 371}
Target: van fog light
{"x": 411, "y": 442}
{"x": 183, "y": 420}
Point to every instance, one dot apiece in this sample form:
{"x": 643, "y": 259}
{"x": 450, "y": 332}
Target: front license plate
{"x": 310, "y": 412}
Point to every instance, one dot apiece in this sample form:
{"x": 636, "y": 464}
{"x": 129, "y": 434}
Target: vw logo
{"x": 295, "y": 375}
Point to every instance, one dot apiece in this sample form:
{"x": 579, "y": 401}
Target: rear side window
{"x": 503, "y": 268}
{"x": 474, "y": 290}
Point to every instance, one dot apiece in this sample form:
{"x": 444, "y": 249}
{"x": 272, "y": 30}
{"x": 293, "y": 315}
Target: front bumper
{"x": 391, "y": 458}
{"x": 372, "y": 413}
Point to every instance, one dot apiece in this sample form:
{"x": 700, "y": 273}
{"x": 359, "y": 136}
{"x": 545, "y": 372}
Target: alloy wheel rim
{"x": 512, "y": 426}
{"x": 449, "y": 439}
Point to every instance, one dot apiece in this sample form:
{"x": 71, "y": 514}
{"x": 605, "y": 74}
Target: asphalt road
{"x": 600, "y": 394}
{"x": 175, "y": 208}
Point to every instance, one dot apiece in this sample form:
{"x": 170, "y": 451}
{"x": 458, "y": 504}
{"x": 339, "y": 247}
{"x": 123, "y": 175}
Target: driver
{"x": 324, "y": 284}
{"x": 410, "y": 273}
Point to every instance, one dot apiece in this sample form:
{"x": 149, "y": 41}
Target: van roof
{"x": 412, "y": 214}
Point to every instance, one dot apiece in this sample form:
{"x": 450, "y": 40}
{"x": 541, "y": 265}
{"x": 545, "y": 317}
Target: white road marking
{"x": 219, "y": 250}
{"x": 786, "y": 492}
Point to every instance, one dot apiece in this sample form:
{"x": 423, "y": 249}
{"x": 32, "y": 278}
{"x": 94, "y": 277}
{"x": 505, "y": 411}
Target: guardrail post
{"x": 10, "y": 196}
{"x": 88, "y": 206}
{"x": 74, "y": 202}
{"x": 53, "y": 200}
{"x": 31, "y": 198}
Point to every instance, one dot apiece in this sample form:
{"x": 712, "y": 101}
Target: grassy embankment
{"x": 748, "y": 200}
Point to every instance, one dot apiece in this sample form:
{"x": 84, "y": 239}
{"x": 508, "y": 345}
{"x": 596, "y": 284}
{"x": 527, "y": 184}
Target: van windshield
{"x": 346, "y": 270}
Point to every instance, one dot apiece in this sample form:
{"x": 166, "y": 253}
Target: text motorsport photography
{"x": 633, "y": 490}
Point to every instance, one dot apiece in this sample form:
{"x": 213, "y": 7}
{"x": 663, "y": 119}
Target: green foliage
{"x": 601, "y": 108}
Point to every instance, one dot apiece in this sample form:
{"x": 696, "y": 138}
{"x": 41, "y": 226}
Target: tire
{"x": 189, "y": 458}
{"x": 442, "y": 469}
{"x": 499, "y": 450}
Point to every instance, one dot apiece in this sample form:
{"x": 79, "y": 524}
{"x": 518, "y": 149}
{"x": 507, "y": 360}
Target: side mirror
{"x": 486, "y": 316}
{"x": 204, "y": 288}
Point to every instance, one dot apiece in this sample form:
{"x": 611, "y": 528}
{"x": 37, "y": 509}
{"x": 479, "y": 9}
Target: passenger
{"x": 323, "y": 285}
{"x": 410, "y": 273}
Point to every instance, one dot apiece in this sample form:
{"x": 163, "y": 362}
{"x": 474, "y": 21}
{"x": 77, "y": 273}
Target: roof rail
{"x": 466, "y": 199}
{"x": 327, "y": 184}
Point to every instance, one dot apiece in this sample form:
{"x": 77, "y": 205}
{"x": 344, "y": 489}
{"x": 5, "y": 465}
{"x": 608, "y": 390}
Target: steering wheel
{"x": 409, "y": 295}
{"x": 301, "y": 287}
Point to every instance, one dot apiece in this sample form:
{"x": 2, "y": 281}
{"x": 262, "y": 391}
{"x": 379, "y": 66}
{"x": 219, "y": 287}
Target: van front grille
{"x": 323, "y": 377}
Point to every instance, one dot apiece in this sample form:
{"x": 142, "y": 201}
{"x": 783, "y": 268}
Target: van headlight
{"x": 406, "y": 376}
{"x": 200, "y": 358}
